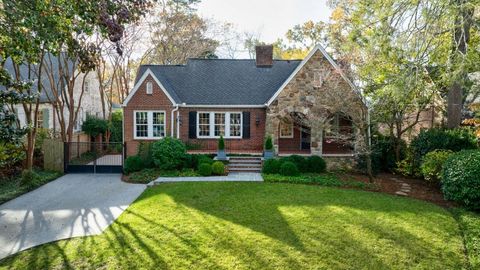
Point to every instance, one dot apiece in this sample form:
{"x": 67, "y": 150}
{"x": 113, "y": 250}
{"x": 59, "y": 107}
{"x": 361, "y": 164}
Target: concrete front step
{"x": 253, "y": 165}
{"x": 245, "y": 157}
{"x": 244, "y": 169}
{"x": 257, "y": 161}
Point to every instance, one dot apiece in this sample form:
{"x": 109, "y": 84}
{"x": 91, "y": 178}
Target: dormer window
{"x": 149, "y": 88}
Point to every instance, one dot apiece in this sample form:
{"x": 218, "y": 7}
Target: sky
{"x": 270, "y": 19}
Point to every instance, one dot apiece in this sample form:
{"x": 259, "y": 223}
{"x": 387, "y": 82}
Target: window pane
{"x": 204, "y": 130}
{"x": 286, "y": 130}
{"x": 204, "y": 118}
{"x": 158, "y": 124}
{"x": 219, "y": 124}
{"x": 204, "y": 124}
{"x": 141, "y": 118}
{"x": 158, "y": 131}
{"x": 235, "y": 124}
{"x": 141, "y": 124}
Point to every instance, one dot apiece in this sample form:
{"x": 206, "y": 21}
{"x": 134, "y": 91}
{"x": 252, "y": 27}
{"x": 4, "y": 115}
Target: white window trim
{"x": 286, "y": 136}
{"x": 149, "y": 88}
{"x": 149, "y": 125}
{"x": 212, "y": 125}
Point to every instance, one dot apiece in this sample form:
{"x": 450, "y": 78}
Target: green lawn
{"x": 262, "y": 226}
{"x": 12, "y": 188}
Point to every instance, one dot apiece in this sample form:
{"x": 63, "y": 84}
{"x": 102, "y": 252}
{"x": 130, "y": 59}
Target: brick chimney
{"x": 264, "y": 55}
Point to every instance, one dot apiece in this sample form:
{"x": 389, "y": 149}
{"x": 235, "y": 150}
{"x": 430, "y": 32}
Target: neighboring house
{"x": 242, "y": 100}
{"x": 47, "y": 117}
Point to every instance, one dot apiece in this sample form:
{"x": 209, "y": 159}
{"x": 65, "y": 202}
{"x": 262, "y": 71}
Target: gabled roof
{"x": 220, "y": 81}
{"x": 226, "y": 82}
{"x": 300, "y": 66}
{"x": 30, "y": 72}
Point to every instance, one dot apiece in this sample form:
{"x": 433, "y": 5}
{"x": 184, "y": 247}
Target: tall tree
{"x": 178, "y": 33}
{"x": 30, "y": 29}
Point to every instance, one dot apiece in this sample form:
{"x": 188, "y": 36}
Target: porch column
{"x": 271, "y": 128}
{"x": 316, "y": 141}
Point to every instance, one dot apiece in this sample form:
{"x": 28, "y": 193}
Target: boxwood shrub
{"x": 316, "y": 164}
{"x": 169, "y": 153}
{"x": 133, "y": 164}
{"x": 461, "y": 178}
{"x": 289, "y": 168}
{"x": 271, "y": 166}
{"x": 205, "y": 169}
{"x": 218, "y": 168}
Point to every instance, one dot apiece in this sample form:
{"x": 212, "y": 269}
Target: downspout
{"x": 172, "y": 121}
{"x": 178, "y": 125}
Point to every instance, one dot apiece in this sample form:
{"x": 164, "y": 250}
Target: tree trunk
{"x": 461, "y": 37}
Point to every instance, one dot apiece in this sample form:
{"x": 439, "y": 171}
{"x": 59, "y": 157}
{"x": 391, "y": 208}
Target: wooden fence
{"x": 53, "y": 155}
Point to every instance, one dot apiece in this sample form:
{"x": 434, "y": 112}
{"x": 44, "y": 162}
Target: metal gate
{"x": 92, "y": 157}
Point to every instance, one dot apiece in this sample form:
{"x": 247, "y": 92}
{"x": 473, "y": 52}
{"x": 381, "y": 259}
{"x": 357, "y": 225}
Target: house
{"x": 47, "y": 117}
{"x": 244, "y": 101}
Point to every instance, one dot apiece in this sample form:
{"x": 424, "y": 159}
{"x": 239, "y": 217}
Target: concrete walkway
{"x": 73, "y": 205}
{"x": 231, "y": 177}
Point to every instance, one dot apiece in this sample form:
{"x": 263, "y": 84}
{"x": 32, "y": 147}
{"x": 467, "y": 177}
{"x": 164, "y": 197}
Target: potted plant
{"x": 221, "y": 155}
{"x": 268, "y": 152}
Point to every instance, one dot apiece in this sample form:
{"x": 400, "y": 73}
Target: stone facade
{"x": 316, "y": 92}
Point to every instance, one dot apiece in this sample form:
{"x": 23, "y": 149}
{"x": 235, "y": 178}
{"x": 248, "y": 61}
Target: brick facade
{"x": 308, "y": 93}
{"x": 253, "y": 144}
{"x": 159, "y": 101}
{"x": 143, "y": 101}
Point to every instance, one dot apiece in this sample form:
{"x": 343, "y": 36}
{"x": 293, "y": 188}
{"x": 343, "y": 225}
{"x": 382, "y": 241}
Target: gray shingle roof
{"x": 31, "y": 75}
{"x": 222, "y": 81}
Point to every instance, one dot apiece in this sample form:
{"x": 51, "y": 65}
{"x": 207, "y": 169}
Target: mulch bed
{"x": 420, "y": 189}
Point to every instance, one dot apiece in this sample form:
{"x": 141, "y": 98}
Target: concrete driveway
{"x": 73, "y": 205}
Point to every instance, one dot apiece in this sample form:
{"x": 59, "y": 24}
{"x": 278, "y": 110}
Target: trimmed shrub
{"x": 221, "y": 143}
{"x": 289, "y": 168}
{"x": 205, "y": 169}
{"x": 145, "y": 152}
{"x": 316, "y": 164}
{"x": 299, "y": 161}
{"x": 432, "y": 164}
{"x": 29, "y": 178}
{"x": 133, "y": 164}
{"x": 218, "y": 168}
{"x": 268, "y": 143}
{"x": 461, "y": 178}
{"x": 445, "y": 139}
{"x": 271, "y": 166}
{"x": 203, "y": 159}
{"x": 169, "y": 153}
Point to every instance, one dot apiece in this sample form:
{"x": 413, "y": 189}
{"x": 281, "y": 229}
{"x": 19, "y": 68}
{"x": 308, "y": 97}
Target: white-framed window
{"x": 203, "y": 128}
{"x": 286, "y": 130}
{"x": 149, "y": 88}
{"x": 216, "y": 124}
{"x": 235, "y": 125}
{"x": 149, "y": 124}
{"x": 40, "y": 118}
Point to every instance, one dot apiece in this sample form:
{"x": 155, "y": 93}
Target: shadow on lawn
{"x": 250, "y": 209}
{"x": 334, "y": 230}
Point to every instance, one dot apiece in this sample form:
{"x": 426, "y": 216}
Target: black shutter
{"x": 246, "y": 125}
{"x": 192, "y": 125}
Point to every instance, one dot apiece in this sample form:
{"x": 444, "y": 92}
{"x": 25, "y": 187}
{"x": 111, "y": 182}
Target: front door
{"x": 305, "y": 138}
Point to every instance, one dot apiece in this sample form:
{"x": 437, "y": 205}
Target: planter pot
{"x": 221, "y": 155}
{"x": 267, "y": 154}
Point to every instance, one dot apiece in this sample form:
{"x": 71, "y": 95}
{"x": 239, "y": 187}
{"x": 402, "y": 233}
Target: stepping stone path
{"x": 404, "y": 187}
